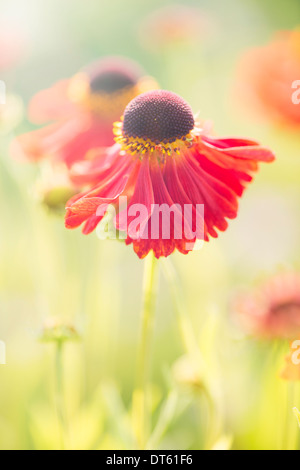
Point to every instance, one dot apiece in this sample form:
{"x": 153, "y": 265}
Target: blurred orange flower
{"x": 266, "y": 75}
{"x": 273, "y": 310}
{"x": 172, "y": 24}
{"x": 291, "y": 369}
{"x": 82, "y": 110}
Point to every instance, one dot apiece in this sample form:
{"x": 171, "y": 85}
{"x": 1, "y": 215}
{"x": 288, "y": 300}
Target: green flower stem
{"x": 186, "y": 330}
{"x": 141, "y": 405}
{"x": 290, "y": 433}
{"x": 191, "y": 346}
{"x": 60, "y": 402}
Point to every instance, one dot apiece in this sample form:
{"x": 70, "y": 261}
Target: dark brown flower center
{"x": 287, "y": 308}
{"x": 109, "y": 82}
{"x": 113, "y": 74}
{"x": 159, "y": 116}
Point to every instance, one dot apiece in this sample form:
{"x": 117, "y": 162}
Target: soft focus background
{"x": 47, "y": 271}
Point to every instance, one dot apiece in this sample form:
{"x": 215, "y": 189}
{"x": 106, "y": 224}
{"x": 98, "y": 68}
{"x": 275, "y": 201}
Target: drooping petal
{"x": 97, "y": 168}
{"x": 142, "y": 198}
{"x": 230, "y": 154}
{"x": 52, "y": 104}
{"x": 68, "y": 141}
{"x": 199, "y": 192}
{"x": 179, "y": 196}
{"x": 91, "y": 135}
{"x": 165, "y": 223}
{"x": 105, "y": 193}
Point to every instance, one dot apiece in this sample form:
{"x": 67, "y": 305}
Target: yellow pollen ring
{"x": 142, "y": 146}
{"x": 106, "y": 104}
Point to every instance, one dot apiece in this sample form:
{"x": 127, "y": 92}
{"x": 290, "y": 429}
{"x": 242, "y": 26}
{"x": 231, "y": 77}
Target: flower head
{"x": 155, "y": 120}
{"x": 165, "y": 165}
{"x": 273, "y": 310}
{"x": 187, "y": 374}
{"x": 266, "y": 75}
{"x": 173, "y": 24}
{"x": 56, "y": 330}
{"x": 54, "y": 188}
{"x": 81, "y": 110}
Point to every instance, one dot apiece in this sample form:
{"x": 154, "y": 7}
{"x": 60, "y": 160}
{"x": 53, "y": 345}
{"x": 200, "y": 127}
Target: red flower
{"x": 162, "y": 157}
{"x": 82, "y": 110}
{"x": 273, "y": 311}
{"x": 266, "y": 75}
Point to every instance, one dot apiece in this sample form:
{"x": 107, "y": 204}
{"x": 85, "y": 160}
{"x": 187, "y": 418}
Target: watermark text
{"x": 296, "y": 93}
{"x": 152, "y": 222}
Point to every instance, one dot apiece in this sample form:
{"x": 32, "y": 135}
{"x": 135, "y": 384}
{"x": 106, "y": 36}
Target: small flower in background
{"x": 266, "y": 75}
{"x": 163, "y": 156}
{"x": 173, "y": 24}
{"x": 57, "y": 331}
{"x": 82, "y": 111}
{"x": 54, "y": 187}
{"x": 273, "y": 310}
{"x": 187, "y": 374}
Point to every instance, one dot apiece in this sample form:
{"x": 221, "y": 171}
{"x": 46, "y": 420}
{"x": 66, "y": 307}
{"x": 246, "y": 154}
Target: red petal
{"x": 52, "y": 104}
{"x": 143, "y": 194}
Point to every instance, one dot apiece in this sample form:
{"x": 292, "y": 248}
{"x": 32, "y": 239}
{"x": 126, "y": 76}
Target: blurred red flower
{"x": 82, "y": 110}
{"x": 266, "y": 75}
{"x": 163, "y": 157}
{"x": 273, "y": 310}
